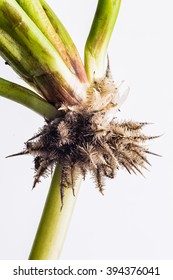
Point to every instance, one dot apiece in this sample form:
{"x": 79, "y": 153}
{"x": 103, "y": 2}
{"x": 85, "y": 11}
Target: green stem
{"x": 53, "y": 29}
{"x": 99, "y": 36}
{"x": 27, "y": 98}
{"x": 18, "y": 57}
{"x": 67, "y": 41}
{"x": 54, "y": 221}
{"x": 35, "y": 11}
{"x": 52, "y": 77}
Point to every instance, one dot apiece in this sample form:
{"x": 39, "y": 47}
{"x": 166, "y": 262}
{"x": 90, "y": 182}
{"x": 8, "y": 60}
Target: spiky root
{"x": 85, "y": 139}
{"x": 81, "y": 142}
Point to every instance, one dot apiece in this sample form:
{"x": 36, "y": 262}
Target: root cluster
{"x": 84, "y": 141}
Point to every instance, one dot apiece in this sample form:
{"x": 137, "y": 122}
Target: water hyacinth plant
{"x": 78, "y": 102}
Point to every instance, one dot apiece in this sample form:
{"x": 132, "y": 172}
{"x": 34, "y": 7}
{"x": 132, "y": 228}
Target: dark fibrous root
{"x": 85, "y": 139}
{"x": 76, "y": 142}
{"x": 18, "y": 154}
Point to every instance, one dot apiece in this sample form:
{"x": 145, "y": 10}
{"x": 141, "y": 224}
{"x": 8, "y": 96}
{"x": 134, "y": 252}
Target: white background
{"x": 134, "y": 219}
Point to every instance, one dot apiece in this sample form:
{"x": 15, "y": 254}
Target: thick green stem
{"x": 54, "y": 222}
{"x": 99, "y": 36}
{"x": 67, "y": 41}
{"x": 18, "y": 57}
{"x": 53, "y": 29}
{"x": 27, "y": 98}
{"x": 52, "y": 77}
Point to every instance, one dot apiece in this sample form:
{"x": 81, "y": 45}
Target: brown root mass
{"x": 83, "y": 141}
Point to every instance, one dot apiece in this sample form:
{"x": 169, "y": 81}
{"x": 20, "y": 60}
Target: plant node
{"x": 85, "y": 138}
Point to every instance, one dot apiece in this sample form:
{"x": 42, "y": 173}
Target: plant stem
{"x": 27, "y": 98}
{"x": 99, "y": 36}
{"x": 54, "y": 222}
{"x": 52, "y": 77}
{"x": 18, "y": 57}
{"x": 53, "y": 29}
{"x": 68, "y": 42}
